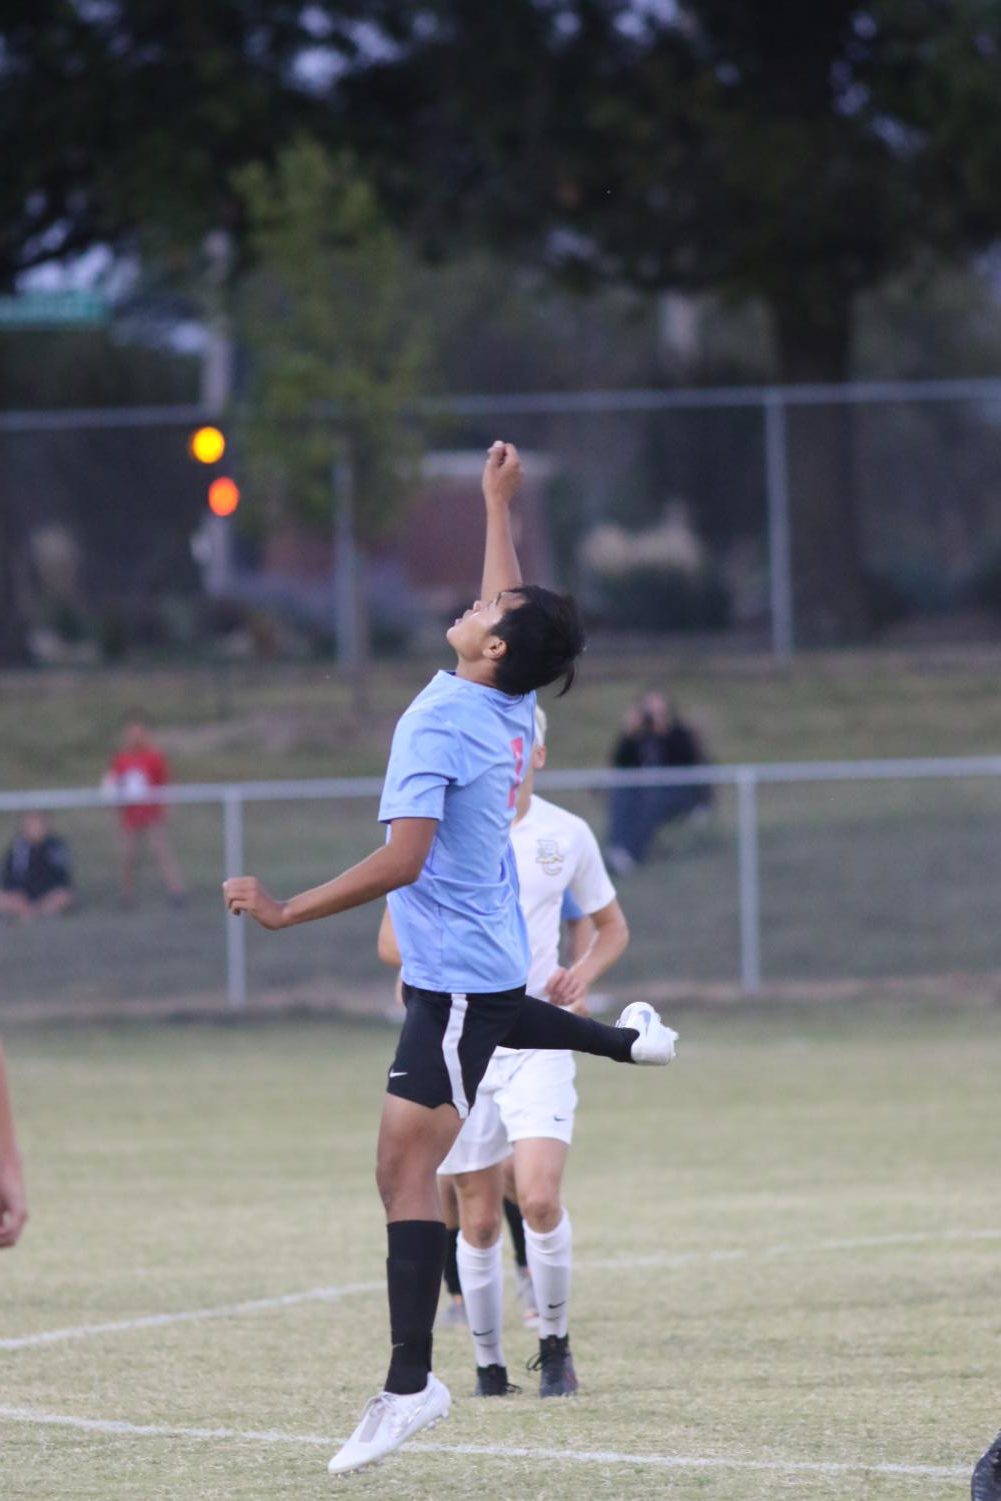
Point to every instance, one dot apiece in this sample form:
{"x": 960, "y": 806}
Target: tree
{"x": 338, "y": 352}
{"x": 86, "y": 481}
{"x": 796, "y": 154}
{"x": 123, "y": 121}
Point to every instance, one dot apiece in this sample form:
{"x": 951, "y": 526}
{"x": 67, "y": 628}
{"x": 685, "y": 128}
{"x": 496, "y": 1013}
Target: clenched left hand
{"x": 246, "y": 894}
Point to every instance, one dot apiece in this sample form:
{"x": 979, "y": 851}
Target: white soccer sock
{"x": 549, "y": 1261}
{"x": 481, "y": 1276}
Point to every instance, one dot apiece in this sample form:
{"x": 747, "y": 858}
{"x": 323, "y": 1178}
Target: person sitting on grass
{"x": 654, "y": 734}
{"x": 37, "y": 876}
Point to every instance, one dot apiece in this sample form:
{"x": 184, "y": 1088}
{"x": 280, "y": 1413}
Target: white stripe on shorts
{"x": 450, "y": 1048}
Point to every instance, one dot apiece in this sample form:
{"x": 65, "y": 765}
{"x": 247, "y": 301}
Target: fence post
{"x": 779, "y": 545}
{"x": 236, "y": 927}
{"x": 748, "y": 873}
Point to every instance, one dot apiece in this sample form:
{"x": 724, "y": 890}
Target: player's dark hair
{"x": 544, "y": 637}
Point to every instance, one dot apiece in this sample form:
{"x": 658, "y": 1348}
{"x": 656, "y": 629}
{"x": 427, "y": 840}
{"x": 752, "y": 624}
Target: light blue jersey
{"x": 459, "y": 754}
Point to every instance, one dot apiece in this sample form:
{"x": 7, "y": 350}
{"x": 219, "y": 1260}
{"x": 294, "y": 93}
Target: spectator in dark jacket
{"x": 654, "y": 734}
{"x": 37, "y": 875}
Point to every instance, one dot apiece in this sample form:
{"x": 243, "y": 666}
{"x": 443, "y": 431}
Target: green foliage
{"x": 653, "y": 598}
{"x": 122, "y": 123}
{"x": 338, "y": 346}
{"x": 797, "y": 153}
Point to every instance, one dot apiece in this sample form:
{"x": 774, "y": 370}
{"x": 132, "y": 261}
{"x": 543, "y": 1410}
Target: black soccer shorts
{"x": 447, "y": 1042}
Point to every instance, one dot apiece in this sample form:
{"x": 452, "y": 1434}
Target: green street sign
{"x": 53, "y": 310}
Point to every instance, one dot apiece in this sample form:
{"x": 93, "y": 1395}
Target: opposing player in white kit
{"x": 526, "y": 1102}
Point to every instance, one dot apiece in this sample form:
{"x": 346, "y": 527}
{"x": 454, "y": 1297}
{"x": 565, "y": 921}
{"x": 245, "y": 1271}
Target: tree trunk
{"x": 829, "y": 589}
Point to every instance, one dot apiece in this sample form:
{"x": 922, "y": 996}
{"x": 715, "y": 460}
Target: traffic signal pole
{"x": 216, "y": 391}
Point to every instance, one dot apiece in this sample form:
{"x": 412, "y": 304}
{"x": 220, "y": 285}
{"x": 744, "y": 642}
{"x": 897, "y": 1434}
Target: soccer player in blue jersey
{"x": 458, "y": 756}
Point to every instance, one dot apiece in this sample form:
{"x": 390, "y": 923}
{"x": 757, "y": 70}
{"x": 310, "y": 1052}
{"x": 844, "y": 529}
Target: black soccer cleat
{"x": 491, "y": 1381}
{"x": 986, "y": 1483}
{"x": 557, "y": 1377}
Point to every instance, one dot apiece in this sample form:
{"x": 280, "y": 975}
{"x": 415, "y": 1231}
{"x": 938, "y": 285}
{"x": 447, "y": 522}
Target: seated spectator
{"x": 37, "y": 876}
{"x": 654, "y": 734}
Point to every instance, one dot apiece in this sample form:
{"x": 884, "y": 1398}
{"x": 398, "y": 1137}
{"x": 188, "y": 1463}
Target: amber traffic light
{"x": 207, "y": 445}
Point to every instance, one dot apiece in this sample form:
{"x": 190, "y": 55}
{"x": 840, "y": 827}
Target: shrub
{"x": 653, "y": 598}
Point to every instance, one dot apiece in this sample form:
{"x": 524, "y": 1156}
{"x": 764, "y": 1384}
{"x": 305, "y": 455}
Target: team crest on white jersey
{"x": 549, "y": 856}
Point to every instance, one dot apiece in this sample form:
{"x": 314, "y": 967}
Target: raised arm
{"x": 501, "y": 478}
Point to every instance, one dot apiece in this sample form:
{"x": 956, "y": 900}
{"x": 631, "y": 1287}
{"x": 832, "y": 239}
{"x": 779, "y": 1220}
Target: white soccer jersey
{"x": 530, "y": 1093}
{"x": 555, "y": 852}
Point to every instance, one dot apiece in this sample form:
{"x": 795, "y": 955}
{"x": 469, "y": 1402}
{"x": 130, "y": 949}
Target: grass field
{"x": 788, "y": 1257}
{"x": 276, "y": 720}
{"x": 857, "y": 882}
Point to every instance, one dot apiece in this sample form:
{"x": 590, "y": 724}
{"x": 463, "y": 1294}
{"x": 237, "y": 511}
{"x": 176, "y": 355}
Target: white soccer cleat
{"x": 388, "y": 1421}
{"x": 655, "y": 1044}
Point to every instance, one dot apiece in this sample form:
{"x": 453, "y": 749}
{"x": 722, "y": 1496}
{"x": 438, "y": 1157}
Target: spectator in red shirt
{"x": 139, "y": 766}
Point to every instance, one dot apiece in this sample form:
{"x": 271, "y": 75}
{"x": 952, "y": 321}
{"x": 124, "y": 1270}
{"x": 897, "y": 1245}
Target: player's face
{"x": 470, "y": 633}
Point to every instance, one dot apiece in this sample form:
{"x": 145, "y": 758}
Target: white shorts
{"x": 523, "y": 1096}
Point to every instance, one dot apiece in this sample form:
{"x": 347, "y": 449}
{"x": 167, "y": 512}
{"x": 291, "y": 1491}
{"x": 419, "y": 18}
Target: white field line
{"x": 789, "y": 1248}
{"x": 115, "y": 1428}
{"x": 190, "y": 1315}
{"x": 666, "y": 1259}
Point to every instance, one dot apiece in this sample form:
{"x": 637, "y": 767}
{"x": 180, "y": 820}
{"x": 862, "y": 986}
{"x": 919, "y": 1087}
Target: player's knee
{"x": 541, "y": 1210}
{"x": 387, "y": 1178}
{"x": 481, "y": 1228}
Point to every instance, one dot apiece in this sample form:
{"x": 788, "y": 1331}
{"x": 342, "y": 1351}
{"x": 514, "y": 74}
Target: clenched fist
{"x": 501, "y": 474}
{"x": 246, "y": 894}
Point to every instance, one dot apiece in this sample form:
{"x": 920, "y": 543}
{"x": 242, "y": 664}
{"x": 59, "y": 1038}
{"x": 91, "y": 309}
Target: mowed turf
{"x": 788, "y": 1244}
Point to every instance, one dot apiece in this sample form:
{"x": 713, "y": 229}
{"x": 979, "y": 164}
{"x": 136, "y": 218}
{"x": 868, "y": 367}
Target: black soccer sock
{"x": 539, "y": 1024}
{"x": 516, "y": 1225}
{"x": 413, "y": 1270}
{"x": 451, "y": 1264}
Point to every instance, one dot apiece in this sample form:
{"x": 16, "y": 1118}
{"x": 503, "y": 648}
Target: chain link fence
{"x": 666, "y": 510}
{"x": 802, "y": 875}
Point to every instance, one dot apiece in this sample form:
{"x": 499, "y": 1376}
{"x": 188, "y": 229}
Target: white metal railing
{"x": 232, "y": 797}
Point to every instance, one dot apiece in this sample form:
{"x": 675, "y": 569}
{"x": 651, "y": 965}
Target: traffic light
{"x": 207, "y": 445}
{"x": 224, "y": 496}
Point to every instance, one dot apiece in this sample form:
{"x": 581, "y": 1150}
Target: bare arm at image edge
{"x": 13, "y": 1203}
